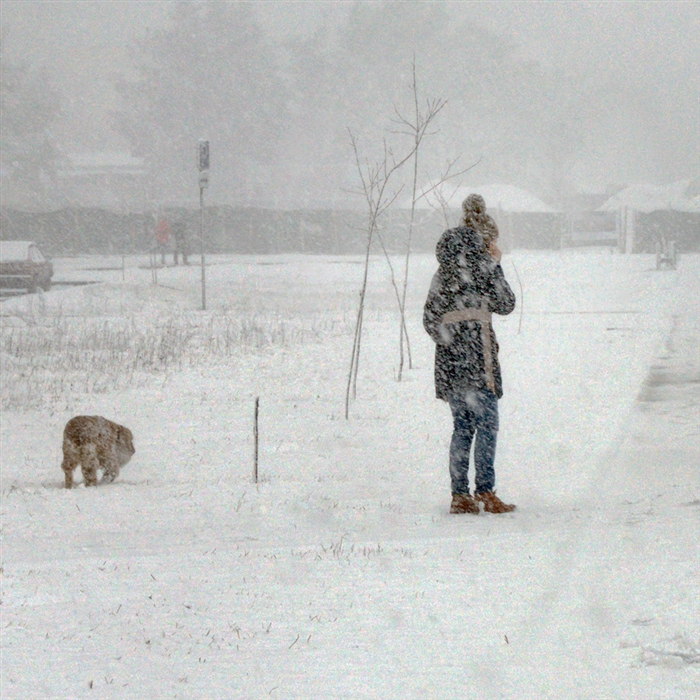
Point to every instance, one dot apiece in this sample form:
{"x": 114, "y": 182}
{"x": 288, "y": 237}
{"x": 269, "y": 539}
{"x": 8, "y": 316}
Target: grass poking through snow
{"x": 52, "y": 360}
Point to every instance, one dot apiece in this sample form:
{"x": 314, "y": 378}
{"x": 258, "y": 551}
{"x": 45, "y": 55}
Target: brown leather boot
{"x": 463, "y": 503}
{"x": 492, "y": 503}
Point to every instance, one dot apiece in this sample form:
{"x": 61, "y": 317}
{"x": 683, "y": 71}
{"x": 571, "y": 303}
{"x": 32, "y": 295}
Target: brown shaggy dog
{"x": 95, "y": 443}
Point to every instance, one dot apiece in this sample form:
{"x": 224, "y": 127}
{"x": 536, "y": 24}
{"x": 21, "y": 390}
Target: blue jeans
{"x": 475, "y": 411}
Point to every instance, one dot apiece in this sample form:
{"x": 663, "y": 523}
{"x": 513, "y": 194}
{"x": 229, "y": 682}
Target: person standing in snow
{"x": 468, "y": 287}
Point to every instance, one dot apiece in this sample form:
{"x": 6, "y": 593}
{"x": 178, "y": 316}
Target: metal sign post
{"x": 203, "y": 183}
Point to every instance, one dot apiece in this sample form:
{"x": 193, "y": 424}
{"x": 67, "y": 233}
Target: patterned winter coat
{"x": 467, "y": 288}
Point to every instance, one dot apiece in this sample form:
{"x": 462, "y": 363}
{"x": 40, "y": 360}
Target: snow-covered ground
{"x": 341, "y": 574}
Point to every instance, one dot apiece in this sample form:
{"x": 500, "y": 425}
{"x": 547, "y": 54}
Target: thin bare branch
{"x": 418, "y": 128}
{"x": 446, "y": 176}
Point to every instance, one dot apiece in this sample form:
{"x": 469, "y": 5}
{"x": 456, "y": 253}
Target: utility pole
{"x": 203, "y": 184}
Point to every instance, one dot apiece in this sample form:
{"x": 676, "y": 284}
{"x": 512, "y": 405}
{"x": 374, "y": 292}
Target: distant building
{"x": 679, "y": 196}
{"x": 524, "y": 220}
{"x": 654, "y": 214}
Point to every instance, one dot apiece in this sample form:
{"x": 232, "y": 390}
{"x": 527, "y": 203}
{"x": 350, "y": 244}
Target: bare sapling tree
{"x": 417, "y": 128}
{"x": 374, "y": 181}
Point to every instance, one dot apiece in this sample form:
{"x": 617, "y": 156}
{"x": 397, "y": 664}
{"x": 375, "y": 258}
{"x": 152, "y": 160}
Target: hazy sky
{"x": 610, "y": 35}
{"x": 653, "y": 41}
{"x": 654, "y": 46}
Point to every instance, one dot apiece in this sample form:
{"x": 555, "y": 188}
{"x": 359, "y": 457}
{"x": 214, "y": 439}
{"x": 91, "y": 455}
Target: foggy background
{"x": 561, "y": 99}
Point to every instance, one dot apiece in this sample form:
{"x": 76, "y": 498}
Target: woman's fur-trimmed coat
{"x": 466, "y": 277}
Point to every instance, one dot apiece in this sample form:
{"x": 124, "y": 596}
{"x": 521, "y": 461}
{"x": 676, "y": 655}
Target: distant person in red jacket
{"x": 162, "y": 233}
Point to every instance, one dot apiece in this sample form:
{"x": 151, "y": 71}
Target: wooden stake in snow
{"x": 255, "y": 441}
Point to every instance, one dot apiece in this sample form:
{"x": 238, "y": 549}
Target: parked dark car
{"x": 22, "y": 266}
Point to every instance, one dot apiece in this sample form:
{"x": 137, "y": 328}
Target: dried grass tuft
{"x": 61, "y": 356}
